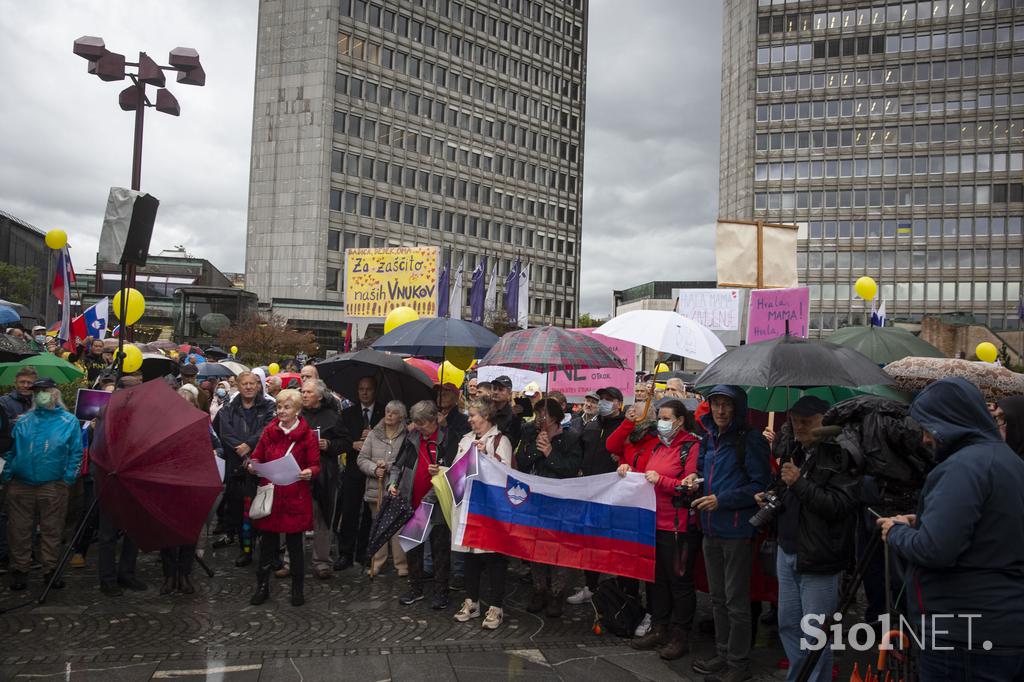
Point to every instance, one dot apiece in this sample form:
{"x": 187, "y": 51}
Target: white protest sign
{"x": 716, "y": 309}
{"x": 519, "y": 377}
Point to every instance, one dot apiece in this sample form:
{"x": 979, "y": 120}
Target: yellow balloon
{"x": 132, "y": 359}
{"x": 662, "y": 367}
{"x": 459, "y": 357}
{"x": 234, "y": 350}
{"x": 986, "y": 352}
{"x": 450, "y": 374}
{"x": 399, "y": 316}
{"x": 56, "y": 239}
{"x": 273, "y": 368}
{"x": 136, "y": 306}
{"x": 866, "y": 288}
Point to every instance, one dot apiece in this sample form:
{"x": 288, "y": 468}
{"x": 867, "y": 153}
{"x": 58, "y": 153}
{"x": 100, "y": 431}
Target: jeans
{"x": 969, "y": 666}
{"x": 672, "y": 598}
{"x": 727, "y": 562}
{"x": 113, "y": 571}
{"x": 799, "y": 595}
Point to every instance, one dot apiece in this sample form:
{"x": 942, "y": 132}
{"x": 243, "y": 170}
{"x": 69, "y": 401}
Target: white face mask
{"x": 666, "y": 427}
{"x": 43, "y": 399}
{"x": 605, "y": 408}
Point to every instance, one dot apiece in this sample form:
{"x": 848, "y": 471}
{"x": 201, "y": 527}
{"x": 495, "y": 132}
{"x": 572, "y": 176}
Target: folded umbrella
{"x": 46, "y": 364}
{"x": 396, "y": 380}
{"x": 884, "y": 344}
{"x": 393, "y": 515}
{"x": 995, "y": 382}
{"x": 429, "y": 336}
{"x": 154, "y": 466}
{"x": 549, "y": 349}
{"x": 664, "y": 331}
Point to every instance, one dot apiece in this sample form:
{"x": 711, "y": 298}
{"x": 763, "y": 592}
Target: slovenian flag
{"x": 93, "y": 322}
{"x": 601, "y": 523}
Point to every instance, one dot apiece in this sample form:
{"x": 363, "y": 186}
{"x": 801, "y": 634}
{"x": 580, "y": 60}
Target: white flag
{"x": 490, "y": 298}
{"x": 455, "y": 297}
{"x": 524, "y": 298}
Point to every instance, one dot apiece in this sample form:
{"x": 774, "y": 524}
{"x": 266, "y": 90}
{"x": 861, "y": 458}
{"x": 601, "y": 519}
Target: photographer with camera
{"x": 815, "y": 500}
{"x": 965, "y": 545}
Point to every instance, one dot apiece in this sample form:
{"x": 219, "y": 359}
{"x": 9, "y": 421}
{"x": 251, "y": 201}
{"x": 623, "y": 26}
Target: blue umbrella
{"x": 9, "y": 315}
{"x": 429, "y": 336}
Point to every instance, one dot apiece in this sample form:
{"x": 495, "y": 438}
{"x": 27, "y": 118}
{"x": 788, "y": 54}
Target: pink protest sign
{"x": 770, "y": 309}
{"x": 579, "y": 382}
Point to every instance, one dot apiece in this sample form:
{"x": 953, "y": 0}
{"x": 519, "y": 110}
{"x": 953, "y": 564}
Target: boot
{"x": 297, "y": 598}
{"x": 538, "y": 600}
{"x": 678, "y": 645}
{"x": 654, "y": 639}
{"x": 262, "y": 587}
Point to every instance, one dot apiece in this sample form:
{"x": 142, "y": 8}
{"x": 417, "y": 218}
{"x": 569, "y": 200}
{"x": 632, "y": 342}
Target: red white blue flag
{"x": 63, "y": 278}
{"x": 93, "y": 322}
{"x": 601, "y": 523}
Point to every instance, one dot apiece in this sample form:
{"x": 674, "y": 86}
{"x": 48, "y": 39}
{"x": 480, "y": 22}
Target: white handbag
{"x": 263, "y": 502}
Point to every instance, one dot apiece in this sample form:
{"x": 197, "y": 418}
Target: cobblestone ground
{"x": 350, "y": 628}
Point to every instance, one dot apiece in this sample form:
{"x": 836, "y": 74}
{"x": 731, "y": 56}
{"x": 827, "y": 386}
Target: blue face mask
{"x": 666, "y": 427}
{"x": 605, "y": 408}
{"x": 221, "y": 393}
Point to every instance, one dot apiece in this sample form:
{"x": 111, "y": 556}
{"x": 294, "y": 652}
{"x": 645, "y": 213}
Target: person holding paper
{"x": 292, "y": 509}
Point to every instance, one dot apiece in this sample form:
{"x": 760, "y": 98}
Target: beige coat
{"x": 378, "y": 448}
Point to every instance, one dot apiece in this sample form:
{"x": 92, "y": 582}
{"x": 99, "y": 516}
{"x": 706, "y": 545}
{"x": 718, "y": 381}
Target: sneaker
{"x": 470, "y": 609}
{"x": 709, "y": 666}
{"x": 580, "y": 596}
{"x": 440, "y": 601}
{"x": 77, "y": 561}
{"x": 493, "y": 618}
{"x": 410, "y": 597}
{"x": 644, "y": 627}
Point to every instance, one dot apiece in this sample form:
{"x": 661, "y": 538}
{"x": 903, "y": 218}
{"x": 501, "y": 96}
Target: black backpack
{"x": 616, "y": 611}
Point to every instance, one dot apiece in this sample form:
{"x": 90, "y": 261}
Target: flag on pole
{"x": 455, "y": 297}
{"x": 442, "y": 292}
{"x": 477, "y": 292}
{"x": 1020, "y": 309}
{"x": 511, "y": 301}
{"x": 878, "y": 316}
{"x": 492, "y": 293}
{"x": 63, "y": 278}
{"x": 523, "y": 292}
{"x": 93, "y": 322}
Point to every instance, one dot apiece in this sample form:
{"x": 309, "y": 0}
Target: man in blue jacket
{"x": 965, "y": 545}
{"x": 733, "y": 462}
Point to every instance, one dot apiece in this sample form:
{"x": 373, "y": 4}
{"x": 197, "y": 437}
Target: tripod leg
{"x": 62, "y": 564}
{"x": 202, "y": 564}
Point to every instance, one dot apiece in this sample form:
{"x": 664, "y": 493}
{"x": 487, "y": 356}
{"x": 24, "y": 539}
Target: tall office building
{"x": 892, "y": 134}
{"x": 422, "y": 122}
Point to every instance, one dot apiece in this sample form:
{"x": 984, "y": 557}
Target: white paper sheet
{"x": 220, "y": 467}
{"x": 283, "y": 471}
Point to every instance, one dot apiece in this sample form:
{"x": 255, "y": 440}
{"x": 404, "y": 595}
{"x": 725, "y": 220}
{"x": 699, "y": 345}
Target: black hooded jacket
{"x": 1013, "y": 411}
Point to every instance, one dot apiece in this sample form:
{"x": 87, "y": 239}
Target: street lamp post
{"x": 110, "y": 66}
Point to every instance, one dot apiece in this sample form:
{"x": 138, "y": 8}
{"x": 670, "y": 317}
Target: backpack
{"x": 614, "y": 610}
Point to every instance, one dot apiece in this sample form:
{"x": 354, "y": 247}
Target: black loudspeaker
{"x": 140, "y": 230}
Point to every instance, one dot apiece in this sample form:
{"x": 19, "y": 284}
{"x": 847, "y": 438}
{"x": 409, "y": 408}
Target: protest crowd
{"x": 773, "y": 517}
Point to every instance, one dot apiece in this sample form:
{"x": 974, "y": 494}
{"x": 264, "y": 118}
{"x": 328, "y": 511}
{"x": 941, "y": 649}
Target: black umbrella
{"x": 157, "y": 366}
{"x": 795, "y": 362}
{"x": 27, "y": 316}
{"x": 214, "y": 370}
{"x": 396, "y": 380}
{"x": 686, "y": 377}
{"x": 13, "y": 349}
{"x": 214, "y": 353}
{"x": 427, "y": 337}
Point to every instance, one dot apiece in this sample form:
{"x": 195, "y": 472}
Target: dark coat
{"x": 458, "y": 426}
{"x": 510, "y": 424}
{"x": 403, "y": 473}
{"x": 15, "y": 405}
{"x": 1013, "y": 411}
{"x": 292, "y": 511}
{"x": 563, "y": 461}
{"x": 232, "y": 428}
{"x": 352, "y": 420}
{"x": 596, "y": 458}
{"x": 326, "y": 418}
{"x": 966, "y": 553}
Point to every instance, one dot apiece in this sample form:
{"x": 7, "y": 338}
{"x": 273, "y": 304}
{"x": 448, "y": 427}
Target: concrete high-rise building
{"x": 892, "y": 134}
{"x": 422, "y": 122}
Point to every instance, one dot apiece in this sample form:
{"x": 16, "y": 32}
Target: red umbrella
{"x": 287, "y": 377}
{"x": 549, "y": 349}
{"x": 426, "y": 366}
{"x": 154, "y": 466}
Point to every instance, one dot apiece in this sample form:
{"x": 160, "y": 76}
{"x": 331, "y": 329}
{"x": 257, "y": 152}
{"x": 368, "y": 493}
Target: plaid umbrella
{"x": 549, "y": 349}
{"x": 995, "y": 382}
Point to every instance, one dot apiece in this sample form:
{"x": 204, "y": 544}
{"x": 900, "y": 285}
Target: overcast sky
{"x": 651, "y": 176}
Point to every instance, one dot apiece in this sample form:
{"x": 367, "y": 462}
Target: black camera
{"x": 772, "y": 504}
{"x": 684, "y": 495}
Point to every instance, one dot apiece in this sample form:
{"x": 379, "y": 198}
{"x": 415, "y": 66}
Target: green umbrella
{"x": 884, "y": 344}
{"x": 780, "y": 399}
{"x": 46, "y": 364}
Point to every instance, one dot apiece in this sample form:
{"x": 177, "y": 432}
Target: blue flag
{"x": 511, "y": 296}
{"x": 476, "y": 292}
{"x": 442, "y": 292}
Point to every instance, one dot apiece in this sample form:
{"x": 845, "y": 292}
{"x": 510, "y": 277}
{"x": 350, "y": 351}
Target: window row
{"x": 889, "y": 44}
{"x": 939, "y": 103}
{"x": 946, "y": 259}
{"x": 439, "y": 111}
{"x": 453, "y": 187}
{"x": 965, "y": 226}
{"x": 980, "y": 195}
{"x": 407, "y": 213}
{"x": 437, "y": 38}
{"x": 876, "y": 15}
{"x": 556, "y": 307}
{"x": 429, "y": 72}
{"x": 952, "y": 69}
{"x": 963, "y": 292}
{"x": 936, "y": 164}
{"x": 933, "y": 133}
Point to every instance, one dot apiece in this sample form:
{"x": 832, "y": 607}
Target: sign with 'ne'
{"x": 576, "y": 383}
{"x": 771, "y": 309}
{"x": 378, "y": 280}
{"x": 716, "y": 309}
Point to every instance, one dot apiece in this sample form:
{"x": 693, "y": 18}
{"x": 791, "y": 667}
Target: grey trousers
{"x": 727, "y": 563}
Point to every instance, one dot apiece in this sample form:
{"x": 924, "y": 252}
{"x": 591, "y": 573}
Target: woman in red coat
{"x": 292, "y": 510}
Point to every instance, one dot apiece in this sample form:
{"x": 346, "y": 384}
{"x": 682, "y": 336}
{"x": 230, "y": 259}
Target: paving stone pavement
{"x": 350, "y": 628}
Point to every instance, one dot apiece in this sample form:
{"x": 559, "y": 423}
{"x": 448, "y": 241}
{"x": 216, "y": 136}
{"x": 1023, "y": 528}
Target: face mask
{"x": 41, "y": 339}
{"x": 666, "y": 427}
{"x": 43, "y": 399}
{"x": 221, "y": 393}
{"x": 605, "y": 408}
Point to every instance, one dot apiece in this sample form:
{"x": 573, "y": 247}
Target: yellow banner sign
{"x": 378, "y": 280}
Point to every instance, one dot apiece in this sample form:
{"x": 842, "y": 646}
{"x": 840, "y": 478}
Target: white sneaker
{"x": 493, "y": 618}
{"x": 644, "y": 627}
{"x": 581, "y": 596}
{"x": 470, "y": 609}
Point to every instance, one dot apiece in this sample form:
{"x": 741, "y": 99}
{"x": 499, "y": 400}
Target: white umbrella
{"x": 666, "y": 332}
{"x": 235, "y": 367}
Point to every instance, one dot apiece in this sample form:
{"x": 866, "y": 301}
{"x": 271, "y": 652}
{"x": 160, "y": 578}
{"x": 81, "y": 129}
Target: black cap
{"x": 503, "y": 380}
{"x": 44, "y": 383}
{"x": 610, "y": 392}
{"x": 809, "y": 405}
